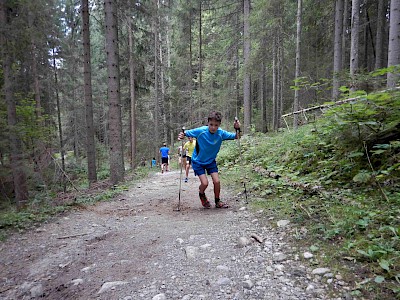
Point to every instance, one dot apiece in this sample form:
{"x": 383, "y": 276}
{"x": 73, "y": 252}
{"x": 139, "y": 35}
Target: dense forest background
{"x": 95, "y": 87}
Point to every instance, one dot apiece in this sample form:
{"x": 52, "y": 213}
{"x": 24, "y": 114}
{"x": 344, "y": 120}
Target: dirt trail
{"x": 138, "y": 247}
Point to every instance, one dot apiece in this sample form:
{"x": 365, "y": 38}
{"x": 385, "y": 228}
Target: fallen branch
{"x": 329, "y": 105}
{"x": 72, "y": 236}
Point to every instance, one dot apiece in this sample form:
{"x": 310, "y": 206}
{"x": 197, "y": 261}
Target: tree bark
{"x": 87, "y": 75}
{"x": 394, "y": 43}
{"x": 163, "y": 91}
{"x": 246, "y": 54}
{"x": 132, "y": 93}
{"x": 156, "y": 81}
{"x": 345, "y": 35}
{"x": 60, "y": 131}
{"x": 200, "y": 61}
{"x": 116, "y": 157}
{"x": 274, "y": 84}
{"x": 16, "y": 157}
{"x": 337, "y": 48}
{"x": 297, "y": 71}
{"x": 355, "y": 21}
{"x": 379, "y": 34}
{"x": 261, "y": 95}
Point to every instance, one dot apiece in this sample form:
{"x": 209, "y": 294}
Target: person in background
{"x": 153, "y": 162}
{"x": 182, "y": 156}
{"x": 189, "y": 147}
{"x": 208, "y": 142}
{"x": 164, "y": 150}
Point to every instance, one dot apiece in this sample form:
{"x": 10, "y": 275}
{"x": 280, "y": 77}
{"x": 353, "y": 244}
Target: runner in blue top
{"x": 209, "y": 139}
{"x": 164, "y": 150}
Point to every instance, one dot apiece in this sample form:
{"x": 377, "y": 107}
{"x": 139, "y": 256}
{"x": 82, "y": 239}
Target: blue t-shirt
{"x": 164, "y": 152}
{"x": 207, "y": 143}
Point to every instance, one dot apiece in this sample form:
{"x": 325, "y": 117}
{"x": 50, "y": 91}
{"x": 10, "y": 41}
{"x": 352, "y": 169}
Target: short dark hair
{"x": 215, "y": 115}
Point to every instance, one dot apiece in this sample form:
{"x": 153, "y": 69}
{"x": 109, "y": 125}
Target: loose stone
{"x": 320, "y": 271}
{"x": 279, "y": 256}
{"x": 159, "y": 297}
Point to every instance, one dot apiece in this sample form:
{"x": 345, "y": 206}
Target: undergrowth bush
{"x": 340, "y": 178}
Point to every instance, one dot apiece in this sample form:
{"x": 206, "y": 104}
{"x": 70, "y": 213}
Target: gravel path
{"x": 138, "y": 247}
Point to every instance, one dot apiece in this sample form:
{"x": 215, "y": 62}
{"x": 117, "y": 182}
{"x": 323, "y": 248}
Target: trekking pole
{"x": 180, "y": 177}
{"x": 241, "y": 159}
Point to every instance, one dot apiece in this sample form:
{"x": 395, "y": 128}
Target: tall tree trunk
{"x": 132, "y": 93}
{"x": 280, "y": 67}
{"x": 274, "y": 84}
{"x": 39, "y": 152}
{"x": 394, "y": 43}
{"x": 169, "y": 79}
{"x": 355, "y": 24}
{"x": 261, "y": 94}
{"x": 200, "y": 61}
{"x": 190, "y": 67}
{"x": 116, "y": 158}
{"x": 345, "y": 35}
{"x": 337, "y": 48}
{"x": 163, "y": 104}
{"x": 87, "y": 74}
{"x": 246, "y": 61}
{"x": 60, "y": 131}
{"x": 156, "y": 82}
{"x": 297, "y": 72}
{"x": 379, "y": 34}
{"x": 236, "y": 60}
{"x": 16, "y": 157}
{"x": 364, "y": 43}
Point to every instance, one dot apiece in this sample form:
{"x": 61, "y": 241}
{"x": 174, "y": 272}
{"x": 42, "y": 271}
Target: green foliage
{"x": 11, "y": 218}
{"x": 353, "y": 210}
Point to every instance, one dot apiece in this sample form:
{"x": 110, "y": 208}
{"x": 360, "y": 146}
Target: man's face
{"x": 190, "y": 139}
{"x": 213, "y": 126}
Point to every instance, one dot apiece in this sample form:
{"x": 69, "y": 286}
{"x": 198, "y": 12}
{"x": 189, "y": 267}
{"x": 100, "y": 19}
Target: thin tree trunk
{"x": 16, "y": 157}
{"x": 39, "y": 152}
{"x": 379, "y": 34}
{"x": 163, "y": 104}
{"x": 238, "y": 99}
{"x": 60, "y": 132}
{"x": 169, "y": 79}
{"x": 156, "y": 83}
{"x": 246, "y": 61}
{"x": 261, "y": 95}
{"x": 116, "y": 156}
{"x": 297, "y": 72}
{"x": 337, "y": 49}
{"x": 274, "y": 85}
{"x": 132, "y": 93}
{"x": 355, "y": 21}
{"x": 87, "y": 74}
{"x": 394, "y": 43}
{"x": 190, "y": 67}
{"x": 345, "y": 35}
{"x": 365, "y": 36}
{"x": 200, "y": 61}
{"x": 280, "y": 77}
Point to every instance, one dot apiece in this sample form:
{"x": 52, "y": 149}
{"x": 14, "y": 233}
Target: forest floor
{"x": 137, "y": 246}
